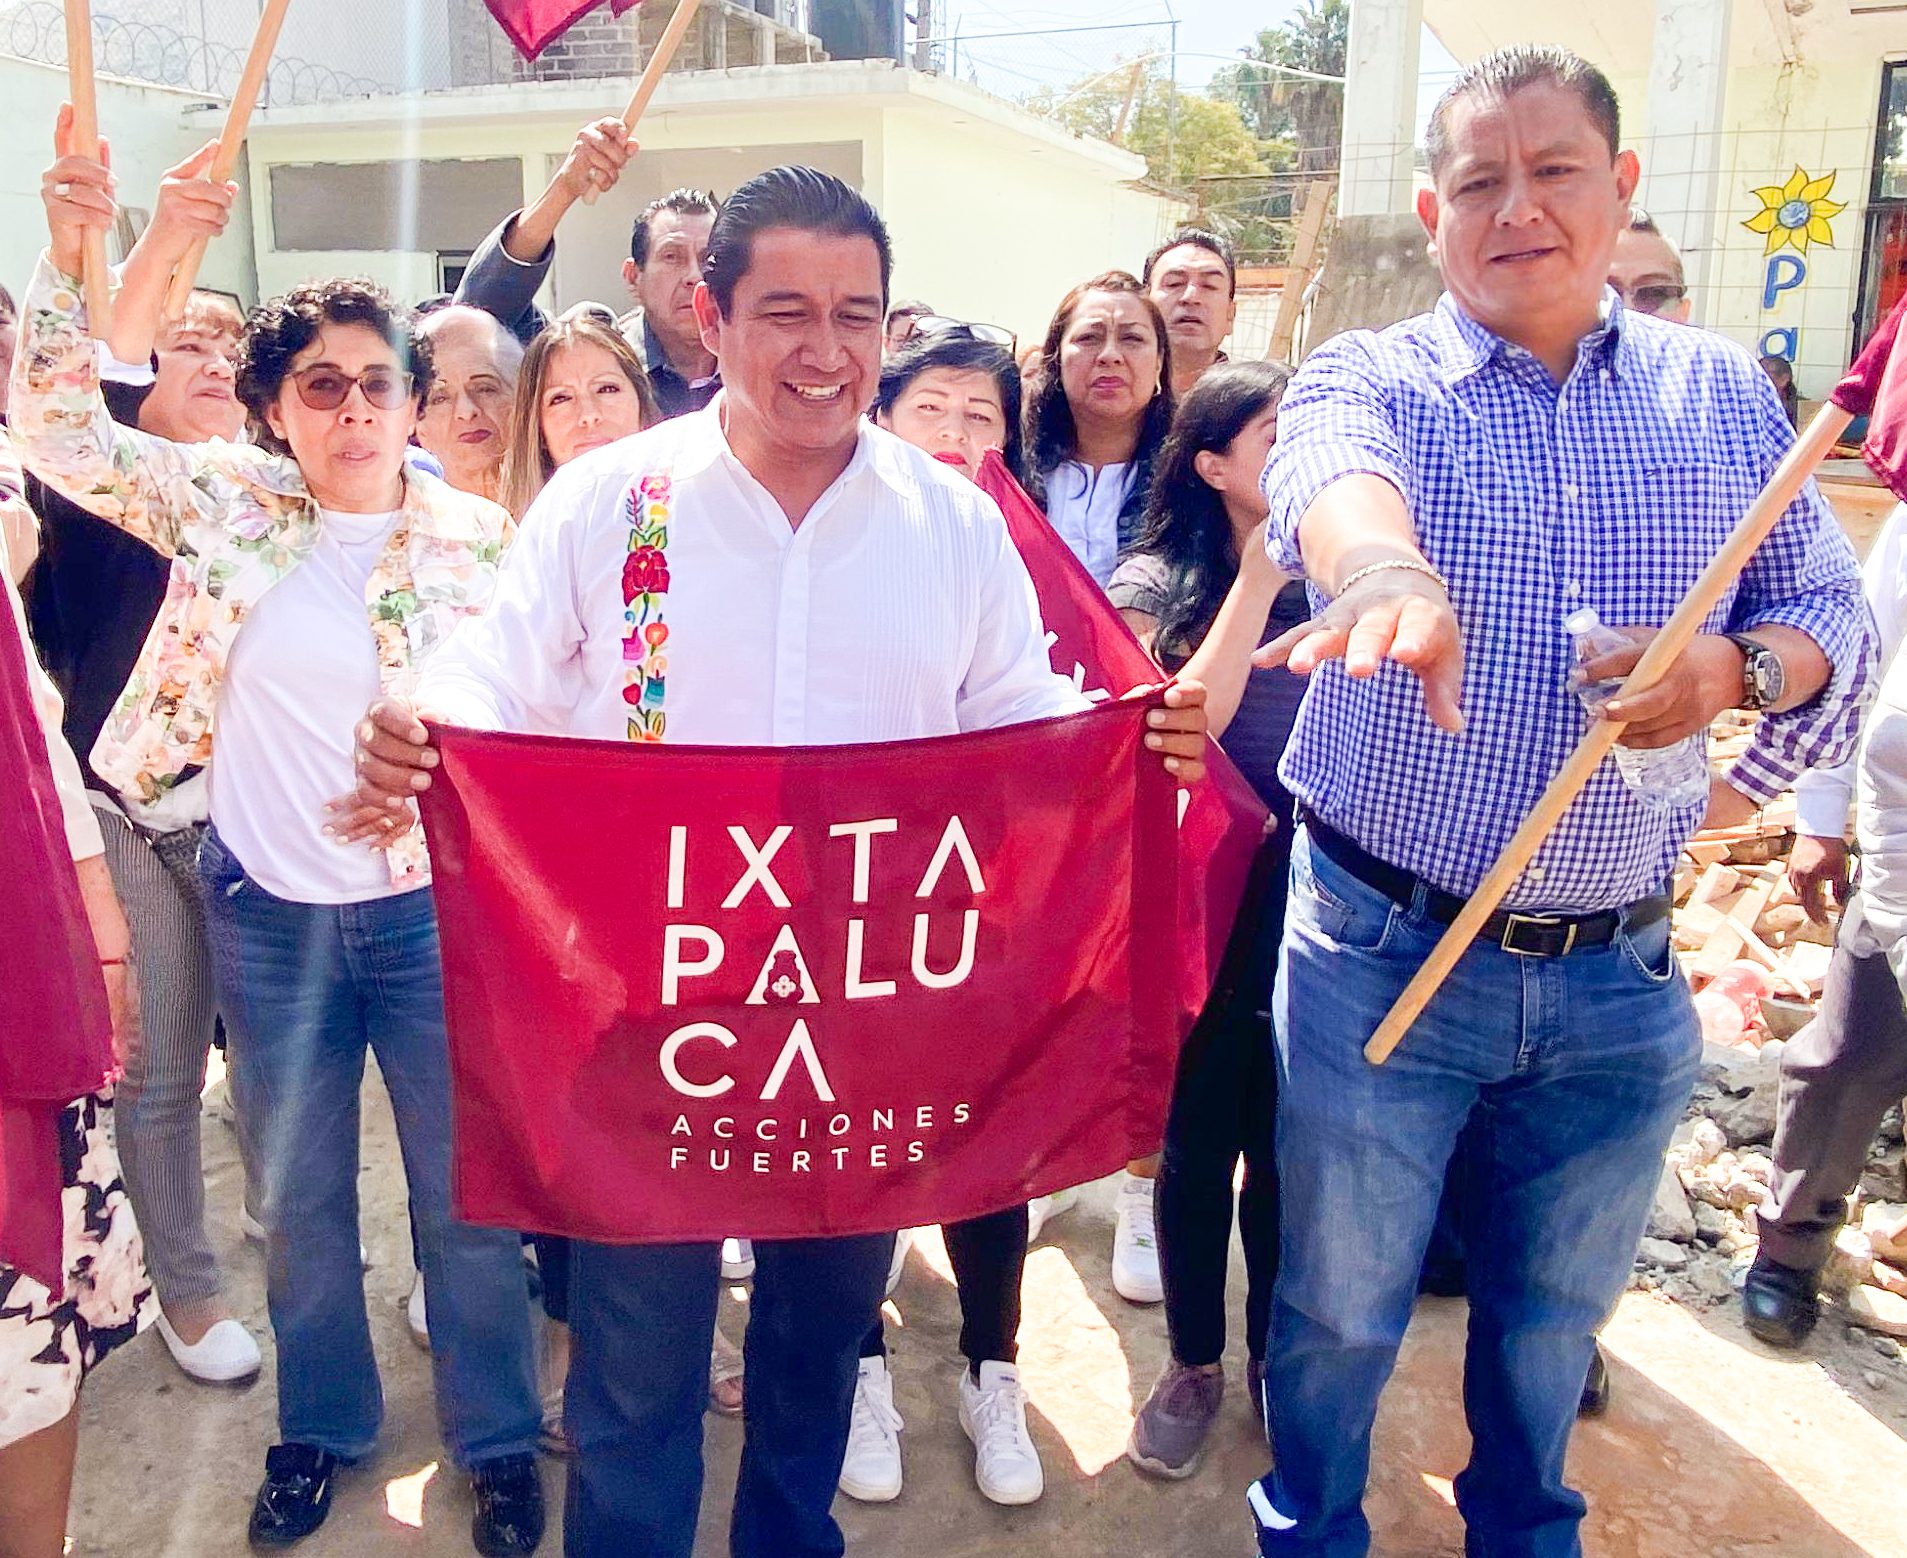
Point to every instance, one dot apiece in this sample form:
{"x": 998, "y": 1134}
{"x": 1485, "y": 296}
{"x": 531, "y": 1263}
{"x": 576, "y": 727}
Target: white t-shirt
{"x": 1083, "y": 505}
{"x": 302, "y": 672}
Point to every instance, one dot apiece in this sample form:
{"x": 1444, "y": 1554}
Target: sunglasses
{"x": 326, "y": 389}
{"x": 1652, "y": 300}
{"x": 940, "y": 324}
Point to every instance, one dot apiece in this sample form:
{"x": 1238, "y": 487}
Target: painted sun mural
{"x": 1797, "y": 213}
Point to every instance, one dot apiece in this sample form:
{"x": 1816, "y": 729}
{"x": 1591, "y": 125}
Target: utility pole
{"x": 923, "y": 34}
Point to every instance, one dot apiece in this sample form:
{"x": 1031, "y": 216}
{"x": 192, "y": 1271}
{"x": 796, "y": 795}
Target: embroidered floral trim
{"x": 645, "y": 581}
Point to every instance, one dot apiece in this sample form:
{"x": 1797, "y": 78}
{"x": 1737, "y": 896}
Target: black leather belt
{"x": 1526, "y": 935}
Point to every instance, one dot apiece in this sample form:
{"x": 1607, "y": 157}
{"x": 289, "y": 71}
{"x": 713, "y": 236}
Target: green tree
{"x": 1183, "y": 137}
{"x": 1274, "y": 104}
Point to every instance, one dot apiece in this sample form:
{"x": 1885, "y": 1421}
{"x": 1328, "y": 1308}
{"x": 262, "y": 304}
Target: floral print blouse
{"x": 234, "y": 519}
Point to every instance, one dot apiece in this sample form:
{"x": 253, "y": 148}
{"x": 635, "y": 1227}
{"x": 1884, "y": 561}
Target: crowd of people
{"x": 254, "y": 551}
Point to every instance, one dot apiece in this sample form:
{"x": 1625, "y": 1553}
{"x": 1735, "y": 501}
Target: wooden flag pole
{"x": 238, "y": 117}
{"x": 1664, "y": 649}
{"x": 98, "y": 279}
{"x": 660, "y": 59}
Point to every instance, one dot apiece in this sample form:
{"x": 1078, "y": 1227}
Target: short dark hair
{"x": 1641, "y": 222}
{"x": 685, "y": 202}
{"x": 789, "y": 197}
{"x": 1198, "y": 238}
{"x": 280, "y": 329}
{"x": 959, "y": 349}
{"x": 911, "y": 306}
{"x": 1505, "y": 71}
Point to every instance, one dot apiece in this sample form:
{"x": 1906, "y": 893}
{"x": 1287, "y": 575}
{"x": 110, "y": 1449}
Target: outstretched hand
{"x": 1397, "y": 614}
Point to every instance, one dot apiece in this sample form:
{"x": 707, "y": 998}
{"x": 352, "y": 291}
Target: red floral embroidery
{"x": 644, "y": 572}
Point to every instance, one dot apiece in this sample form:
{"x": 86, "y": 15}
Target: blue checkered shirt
{"x": 1612, "y": 491}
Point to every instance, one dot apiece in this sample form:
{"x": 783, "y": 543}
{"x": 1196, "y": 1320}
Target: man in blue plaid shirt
{"x": 1455, "y": 486}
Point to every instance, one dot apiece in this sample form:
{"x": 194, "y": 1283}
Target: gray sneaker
{"x": 1168, "y": 1435}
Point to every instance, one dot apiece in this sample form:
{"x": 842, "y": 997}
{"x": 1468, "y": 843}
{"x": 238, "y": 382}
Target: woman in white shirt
{"x": 1095, "y": 422}
{"x": 1097, "y": 415}
{"x": 310, "y": 572}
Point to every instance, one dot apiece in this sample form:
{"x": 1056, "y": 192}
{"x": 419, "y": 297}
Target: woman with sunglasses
{"x": 309, "y": 572}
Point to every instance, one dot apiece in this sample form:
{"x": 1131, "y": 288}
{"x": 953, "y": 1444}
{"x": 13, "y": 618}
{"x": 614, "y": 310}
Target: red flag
{"x": 533, "y": 25}
{"x": 55, "y": 1030}
{"x": 1876, "y": 388}
{"x": 800, "y": 992}
{"x": 1223, "y": 821}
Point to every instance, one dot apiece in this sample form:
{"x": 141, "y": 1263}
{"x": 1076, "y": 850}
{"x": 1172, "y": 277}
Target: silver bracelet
{"x": 1407, "y": 564}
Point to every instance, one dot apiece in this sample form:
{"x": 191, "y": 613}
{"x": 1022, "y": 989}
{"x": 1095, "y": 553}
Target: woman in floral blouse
{"x": 309, "y": 572}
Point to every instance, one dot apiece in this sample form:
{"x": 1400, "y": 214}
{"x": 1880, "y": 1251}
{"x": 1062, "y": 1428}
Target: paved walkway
{"x": 1715, "y": 1448}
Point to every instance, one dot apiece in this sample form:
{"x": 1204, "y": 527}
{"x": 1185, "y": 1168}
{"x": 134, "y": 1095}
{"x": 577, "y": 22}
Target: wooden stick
{"x": 238, "y": 117}
{"x": 1796, "y": 467}
{"x": 652, "y": 73}
{"x": 98, "y": 279}
{"x": 1304, "y": 250}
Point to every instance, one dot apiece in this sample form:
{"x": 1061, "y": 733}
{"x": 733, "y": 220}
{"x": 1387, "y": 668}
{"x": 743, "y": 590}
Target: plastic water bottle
{"x": 1663, "y": 778}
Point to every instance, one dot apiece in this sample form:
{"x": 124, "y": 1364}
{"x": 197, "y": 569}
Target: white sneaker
{"x": 225, "y": 1355}
{"x": 417, "y": 1314}
{"x": 903, "y": 1242}
{"x": 871, "y": 1470}
{"x": 738, "y": 1260}
{"x": 1041, "y": 1210}
{"x": 1135, "y": 1245}
{"x": 993, "y": 1412}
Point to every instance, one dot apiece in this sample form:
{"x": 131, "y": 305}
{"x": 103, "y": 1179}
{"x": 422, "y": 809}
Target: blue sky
{"x": 1209, "y": 32}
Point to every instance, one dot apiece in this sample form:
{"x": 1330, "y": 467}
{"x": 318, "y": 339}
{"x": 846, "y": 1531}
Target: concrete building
{"x": 995, "y": 212}
{"x": 422, "y": 128}
{"x": 1773, "y": 140}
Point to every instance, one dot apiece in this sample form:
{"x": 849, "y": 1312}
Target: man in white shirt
{"x": 774, "y": 569}
{"x": 1848, "y": 1067}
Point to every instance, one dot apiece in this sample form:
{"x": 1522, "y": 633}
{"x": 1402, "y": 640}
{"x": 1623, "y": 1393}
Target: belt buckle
{"x": 1516, "y": 921}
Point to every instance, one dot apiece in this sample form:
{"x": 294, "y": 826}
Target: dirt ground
{"x": 1714, "y": 1446}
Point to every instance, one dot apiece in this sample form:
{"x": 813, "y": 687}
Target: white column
{"x": 1380, "y": 107}
{"x": 1682, "y": 150}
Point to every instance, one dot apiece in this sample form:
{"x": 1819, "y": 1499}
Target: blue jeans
{"x": 1575, "y": 1071}
{"x": 306, "y": 989}
{"x": 638, "y": 1385}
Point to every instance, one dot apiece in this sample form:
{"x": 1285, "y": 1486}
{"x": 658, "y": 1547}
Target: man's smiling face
{"x": 800, "y": 349}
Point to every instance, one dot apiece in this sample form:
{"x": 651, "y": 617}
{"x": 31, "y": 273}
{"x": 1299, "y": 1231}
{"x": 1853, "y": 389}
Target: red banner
{"x": 533, "y": 25}
{"x": 1223, "y": 820}
{"x": 791, "y": 992}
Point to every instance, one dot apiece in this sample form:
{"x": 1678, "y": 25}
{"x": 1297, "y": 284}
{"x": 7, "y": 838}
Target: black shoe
{"x": 1779, "y": 1305}
{"x": 509, "y": 1517}
{"x": 1595, "y": 1396}
{"x": 295, "y": 1495}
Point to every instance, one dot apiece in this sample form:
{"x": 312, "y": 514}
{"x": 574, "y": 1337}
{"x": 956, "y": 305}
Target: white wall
{"x": 996, "y": 227}
{"x": 148, "y": 133}
{"x": 1820, "y": 118}
{"x": 989, "y": 223}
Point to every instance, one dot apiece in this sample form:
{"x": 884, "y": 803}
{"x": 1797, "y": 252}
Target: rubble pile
{"x": 1757, "y": 965}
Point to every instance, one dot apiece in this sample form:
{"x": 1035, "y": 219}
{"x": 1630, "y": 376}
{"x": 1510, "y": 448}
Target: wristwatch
{"x": 1763, "y": 677}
